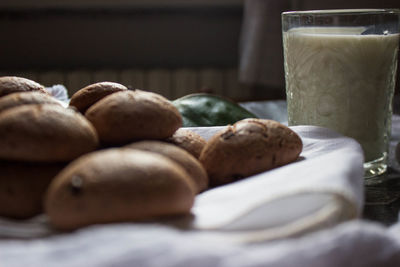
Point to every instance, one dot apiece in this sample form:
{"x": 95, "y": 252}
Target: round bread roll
{"x": 191, "y": 165}
{"x": 12, "y": 84}
{"x": 248, "y": 147}
{"x": 129, "y": 116}
{"x": 90, "y": 94}
{"x": 45, "y": 133}
{"x": 26, "y": 98}
{"x": 117, "y": 185}
{"x": 188, "y": 140}
{"x": 23, "y": 186}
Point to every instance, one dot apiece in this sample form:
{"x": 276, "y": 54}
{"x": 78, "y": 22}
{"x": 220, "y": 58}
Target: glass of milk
{"x": 340, "y": 73}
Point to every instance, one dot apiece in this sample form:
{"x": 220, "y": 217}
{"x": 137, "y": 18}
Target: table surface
{"x": 382, "y": 198}
{"x": 382, "y": 195}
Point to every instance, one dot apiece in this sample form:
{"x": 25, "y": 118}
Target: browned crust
{"x": 87, "y": 96}
{"x": 248, "y": 147}
{"x": 45, "y": 133}
{"x": 117, "y": 185}
{"x": 191, "y": 165}
{"x": 26, "y": 98}
{"x": 12, "y": 84}
{"x": 129, "y": 116}
{"x": 23, "y": 186}
{"x": 188, "y": 140}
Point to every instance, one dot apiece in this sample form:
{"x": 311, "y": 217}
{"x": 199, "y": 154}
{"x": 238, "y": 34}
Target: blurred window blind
{"x": 171, "y": 83}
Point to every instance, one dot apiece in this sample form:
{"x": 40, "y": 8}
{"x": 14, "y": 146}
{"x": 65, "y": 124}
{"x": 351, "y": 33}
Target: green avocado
{"x": 209, "y": 110}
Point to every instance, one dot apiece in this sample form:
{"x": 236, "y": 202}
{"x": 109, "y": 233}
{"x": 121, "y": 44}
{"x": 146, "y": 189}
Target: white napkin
{"x": 355, "y": 244}
{"x": 59, "y": 92}
{"x": 323, "y": 188}
{"x": 249, "y": 223}
{"x": 230, "y": 224}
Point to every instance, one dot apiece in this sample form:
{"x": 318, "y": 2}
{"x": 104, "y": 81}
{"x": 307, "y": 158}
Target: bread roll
{"x": 90, "y": 94}
{"x": 12, "y": 84}
{"x": 117, "y": 185}
{"x": 26, "y": 98}
{"x": 23, "y": 186}
{"x": 44, "y": 133}
{"x": 191, "y": 165}
{"x": 188, "y": 140}
{"x": 128, "y": 116}
{"x": 248, "y": 147}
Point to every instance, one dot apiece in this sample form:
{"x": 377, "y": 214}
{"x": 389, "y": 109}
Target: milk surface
{"x": 343, "y": 80}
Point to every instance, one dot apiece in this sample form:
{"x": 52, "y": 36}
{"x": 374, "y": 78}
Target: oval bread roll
{"x": 26, "y": 98}
{"x": 248, "y": 147}
{"x": 45, "y": 133}
{"x": 90, "y": 94}
{"x": 129, "y": 116}
{"x": 188, "y": 140}
{"x": 191, "y": 165}
{"x": 23, "y": 186}
{"x": 117, "y": 185}
{"x": 12, "y": 84}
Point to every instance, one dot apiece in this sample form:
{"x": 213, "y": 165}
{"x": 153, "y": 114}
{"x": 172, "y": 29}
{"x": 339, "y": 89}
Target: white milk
{"x": 338, "y": 78}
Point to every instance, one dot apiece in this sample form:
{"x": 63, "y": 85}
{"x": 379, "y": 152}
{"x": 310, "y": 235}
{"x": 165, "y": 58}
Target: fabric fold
{"x": 326, "y": 183}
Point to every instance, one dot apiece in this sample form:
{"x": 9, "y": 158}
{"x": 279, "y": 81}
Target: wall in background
{"x": 140, "y": 37}
{"x": 171, "y": 83}
{"x": 56, "y": 42}
{"x": 117, "y": 3}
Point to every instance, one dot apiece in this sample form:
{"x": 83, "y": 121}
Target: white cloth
{"x": 230, "y": 224}
{"x": 355, "y": 244}
{"x": 59, "y": 92}
{"x": 296, "y": 215}
{"x": 293, "y": 199}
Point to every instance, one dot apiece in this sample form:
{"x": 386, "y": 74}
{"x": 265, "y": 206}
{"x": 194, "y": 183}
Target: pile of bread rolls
{"x": 117, "y": 154}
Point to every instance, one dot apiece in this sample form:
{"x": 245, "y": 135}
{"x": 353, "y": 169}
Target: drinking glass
{"x": 340, "y": 73}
